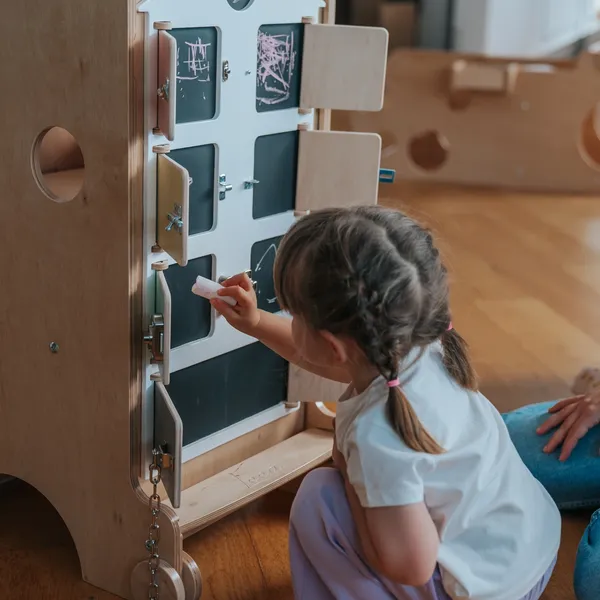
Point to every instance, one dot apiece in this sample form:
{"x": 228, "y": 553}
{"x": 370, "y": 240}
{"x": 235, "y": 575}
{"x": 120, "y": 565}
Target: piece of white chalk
{"x": 208, "y": 289}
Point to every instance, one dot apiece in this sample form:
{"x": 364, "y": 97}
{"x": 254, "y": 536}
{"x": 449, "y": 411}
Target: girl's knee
{"x": 587, "y": 567}
{"x": 318, "y": 488}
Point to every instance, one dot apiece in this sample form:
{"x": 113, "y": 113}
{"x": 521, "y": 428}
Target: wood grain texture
{"x": 343, "y": 67}
{"x": 73, "y": 278}
{"x": 540, "y": 137}
{"x": 510, "y": 256}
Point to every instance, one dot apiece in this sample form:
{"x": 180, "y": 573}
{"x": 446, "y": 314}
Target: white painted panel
{"x": 233, "y": 132}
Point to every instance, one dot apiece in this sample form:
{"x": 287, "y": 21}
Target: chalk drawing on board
{"x": 268, "y": 255}
{"x": 197, "y": 80}
{"x": 196, "y": 65}
{"x": 262, "y": 260}
{"x": 278, "y": 67}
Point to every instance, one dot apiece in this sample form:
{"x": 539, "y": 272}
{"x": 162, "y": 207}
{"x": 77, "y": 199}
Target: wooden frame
{"x": 508, "y": 123}
{"x": 72, "y": 321}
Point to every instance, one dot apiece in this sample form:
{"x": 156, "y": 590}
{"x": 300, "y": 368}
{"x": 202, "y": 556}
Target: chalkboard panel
{"x": 262, "y": 259}
{"x": 279, "y": 66}
{"x": 200, "y": 164}
{"x": 276, "y": 169}
{"x": 227, "y": 389}
{"x": 197, "y": 50}
{"x": 190, "y": 314}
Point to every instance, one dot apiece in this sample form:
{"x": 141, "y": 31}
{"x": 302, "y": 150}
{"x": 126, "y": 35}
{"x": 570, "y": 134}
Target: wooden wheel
{"x": 170, "y": 583}
{"x": 191, "y": 576}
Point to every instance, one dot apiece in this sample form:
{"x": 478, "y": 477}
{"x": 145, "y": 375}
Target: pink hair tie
{"x": 394, "y": 383}
{"x": 450, "y": 327}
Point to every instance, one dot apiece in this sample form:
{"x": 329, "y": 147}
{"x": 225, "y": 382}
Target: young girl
{"x": 431, "y": 500}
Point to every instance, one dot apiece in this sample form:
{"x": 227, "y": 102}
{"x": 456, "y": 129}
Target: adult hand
{"x": 574, "y": 417}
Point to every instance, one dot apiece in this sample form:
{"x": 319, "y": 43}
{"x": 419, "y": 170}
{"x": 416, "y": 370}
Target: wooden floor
{"x": 526, "y": 294}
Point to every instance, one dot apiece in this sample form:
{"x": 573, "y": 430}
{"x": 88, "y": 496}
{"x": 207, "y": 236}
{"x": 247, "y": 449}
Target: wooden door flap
{"x": 166, "y": 92}
{"x": 495, "y": 78}
{"x": 173, "y": 208}
{"x": 344, "y": 67}
{"x": 337, "y": 168}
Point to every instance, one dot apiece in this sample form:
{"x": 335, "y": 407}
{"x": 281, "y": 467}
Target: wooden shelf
{"x": 226, "y": 492}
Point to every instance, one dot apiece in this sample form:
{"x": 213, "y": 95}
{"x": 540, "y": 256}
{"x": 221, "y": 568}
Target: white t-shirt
{"x": 499, "y": 529}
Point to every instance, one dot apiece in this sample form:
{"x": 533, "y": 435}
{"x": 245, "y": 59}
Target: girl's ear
{"x": 338, "y": 350}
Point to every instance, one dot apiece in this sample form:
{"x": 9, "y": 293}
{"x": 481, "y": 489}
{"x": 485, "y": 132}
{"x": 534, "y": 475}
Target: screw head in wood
{"x": 54, "y": 347}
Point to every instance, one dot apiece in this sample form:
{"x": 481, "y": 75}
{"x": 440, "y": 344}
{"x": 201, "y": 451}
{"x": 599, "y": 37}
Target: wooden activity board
{"x": 154, "y": 142}
{"x": 507, "y": 123}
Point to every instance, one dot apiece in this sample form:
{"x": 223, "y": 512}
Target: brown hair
{"x": 374, "y": 275}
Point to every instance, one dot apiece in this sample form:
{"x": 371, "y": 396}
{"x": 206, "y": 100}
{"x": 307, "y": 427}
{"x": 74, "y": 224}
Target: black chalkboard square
{"x": 276, "y": 170}
{"x": 262, "y": 259}
{"x": 279, "y": 66}
{"x": 227, "y": 389}
{"x": 200, "y": 164}
{"x": 191, "y": 316}
{"x": 197, "y": 51}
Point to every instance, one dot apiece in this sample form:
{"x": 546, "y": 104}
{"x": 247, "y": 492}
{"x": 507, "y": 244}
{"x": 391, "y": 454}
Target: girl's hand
{"x": 574, "y": 417}
{"x": 245, "y": 315}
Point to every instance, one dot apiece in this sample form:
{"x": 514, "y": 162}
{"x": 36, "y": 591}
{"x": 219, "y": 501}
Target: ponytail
{"x": 402, "y": 415}
{"x": 407, "y": 425}
{"x": 456, "y": 360}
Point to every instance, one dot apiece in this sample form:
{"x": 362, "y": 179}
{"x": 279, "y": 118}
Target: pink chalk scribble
{"x": 197, "y": 63}
{"x": 276, "y": 66}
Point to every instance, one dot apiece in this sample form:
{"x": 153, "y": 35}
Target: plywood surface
{"x": 69, "y": 280}
{"x": 237, "y": 486}
{"x": 539, "y": 137}
{"x": 337, "y": 169}
{"x": 343, "y": 67}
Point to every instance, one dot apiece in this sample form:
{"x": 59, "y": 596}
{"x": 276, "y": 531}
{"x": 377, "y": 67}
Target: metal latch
{"x": 154, "y": 339}
{"x": 164, "y": 459}
{"x": 175, "y": 219}
{"x": 163, "y": 90}
{"x": 224, "y": 187}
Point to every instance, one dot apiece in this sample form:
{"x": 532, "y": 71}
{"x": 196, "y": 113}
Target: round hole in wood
{"x": 58, "y": 165}
{"x": 589, "y": 141}
{"x": 428, "y": 150}
{"x": 239, "y": 4}
{"x": 459, "y": 100}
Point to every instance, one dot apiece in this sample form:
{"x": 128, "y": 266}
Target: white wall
{"x": 526, "y": 28}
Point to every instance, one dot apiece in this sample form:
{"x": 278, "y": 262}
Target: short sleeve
{"x": 382, "y": 469}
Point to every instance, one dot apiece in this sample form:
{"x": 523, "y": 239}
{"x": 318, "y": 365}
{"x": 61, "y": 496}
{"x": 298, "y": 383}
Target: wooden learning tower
{"x": 148, "y": 143}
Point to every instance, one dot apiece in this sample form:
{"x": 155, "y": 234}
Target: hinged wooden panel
{"x": 173, "y": 206}
{"x": 164, "y": 308}
{"x": 168, "y": 437}
{"x": 167, "y": 81}
{"x": 344, "y": 67}
{"x": 337, "y": 168}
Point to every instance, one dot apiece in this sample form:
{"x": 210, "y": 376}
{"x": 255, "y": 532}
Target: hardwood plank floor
{"x": 526, "y": 293}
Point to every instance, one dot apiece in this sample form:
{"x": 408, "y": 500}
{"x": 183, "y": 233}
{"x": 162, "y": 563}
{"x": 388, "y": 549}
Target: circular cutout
{"x": 460, "y": 100}
{"x": 239, "y": 4}
{"x": 589, "y": 143}
{"x": 429, "y": 150}
{"x": 58, "y": 165}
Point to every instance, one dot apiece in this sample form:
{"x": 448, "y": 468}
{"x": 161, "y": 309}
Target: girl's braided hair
{"x": 374, "y": 274}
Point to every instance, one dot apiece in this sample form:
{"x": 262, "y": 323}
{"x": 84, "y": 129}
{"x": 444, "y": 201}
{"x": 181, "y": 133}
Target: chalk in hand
{"x": 208, "y": 289}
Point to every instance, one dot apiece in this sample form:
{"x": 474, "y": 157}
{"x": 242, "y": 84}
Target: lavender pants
{"x": 324, "y": 555}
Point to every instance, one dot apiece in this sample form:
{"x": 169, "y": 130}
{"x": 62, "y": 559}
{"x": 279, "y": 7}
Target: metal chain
{"x": 154, "y": 529}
